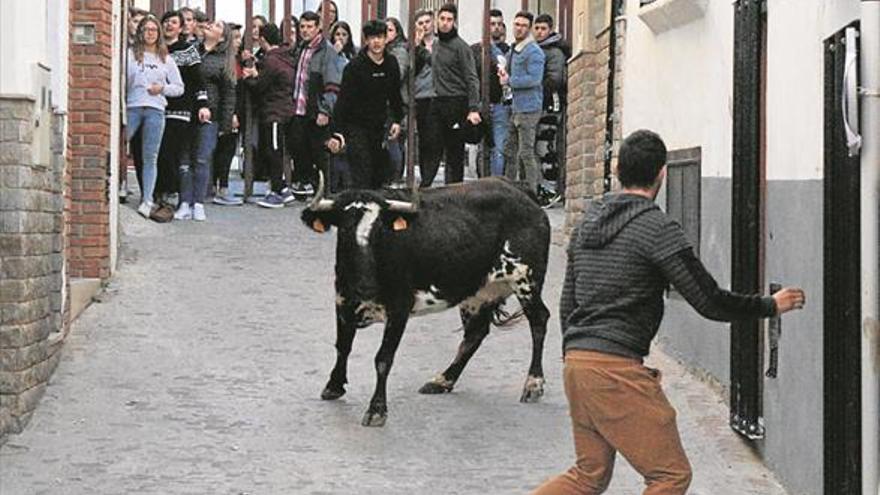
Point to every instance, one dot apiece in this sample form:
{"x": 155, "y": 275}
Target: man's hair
{"x": 136, "y": 11}
{"x": 375, "y": 28}
{"x": 642, "y": 156}
{"x": 525, "y": 15}
{"x": 271, "y": 34}
{"x": 496, "y": 13}
{"x": 200, "y": 16}
{"x": 186, "y": 9}
{"x": 170, "y": 14}
{"x": 451, "y": 8}
{"x": 234, "y": 26}
{"x": 545, "y": 19}
{"x": 423, "y": 12}
{"x": 310, "y": 16}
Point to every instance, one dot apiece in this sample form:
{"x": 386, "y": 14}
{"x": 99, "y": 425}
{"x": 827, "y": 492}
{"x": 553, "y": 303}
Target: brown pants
{"x": 616, "y": 404}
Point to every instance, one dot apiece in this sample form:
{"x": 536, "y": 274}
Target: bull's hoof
{"x": 533, "y": 389}
{"x": 331, "y": 393}
{"x": 374, "y": 418}
{"x": 438, "y": 385}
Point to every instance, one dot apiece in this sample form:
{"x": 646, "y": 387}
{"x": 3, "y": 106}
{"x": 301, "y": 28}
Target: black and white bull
{"x": 470, "y": 245}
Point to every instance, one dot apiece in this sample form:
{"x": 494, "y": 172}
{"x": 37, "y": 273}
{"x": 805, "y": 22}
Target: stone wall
{"x": 587, "y": 92}
{"x": 31, "y": 261}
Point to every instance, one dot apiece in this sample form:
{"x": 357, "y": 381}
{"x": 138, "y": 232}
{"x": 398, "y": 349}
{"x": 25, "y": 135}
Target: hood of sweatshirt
{"x": 606, "y": 217}
{"x": 555, "y": 41}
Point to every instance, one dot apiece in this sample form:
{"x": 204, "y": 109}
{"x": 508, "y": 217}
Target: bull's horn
{"x": 402, "y": 206}
{"x": 318, "y": 203}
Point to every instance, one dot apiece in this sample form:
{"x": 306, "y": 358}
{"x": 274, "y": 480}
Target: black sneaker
{"x": 272, "y": 200}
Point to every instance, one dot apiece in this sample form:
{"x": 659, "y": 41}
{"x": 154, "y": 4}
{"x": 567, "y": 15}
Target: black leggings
{"x": 223, "y": 155}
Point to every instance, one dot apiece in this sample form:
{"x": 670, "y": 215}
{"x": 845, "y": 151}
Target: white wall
{"x": 678, "y": 83}
{"x": 115, "y": 129}
{"x": 23, "y": 44}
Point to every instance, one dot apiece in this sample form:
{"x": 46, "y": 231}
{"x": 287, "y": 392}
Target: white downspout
{"x": 870, "y": 233}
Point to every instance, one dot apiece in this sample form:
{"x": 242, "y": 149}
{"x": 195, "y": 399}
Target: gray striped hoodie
{"x": 621, "y": 259}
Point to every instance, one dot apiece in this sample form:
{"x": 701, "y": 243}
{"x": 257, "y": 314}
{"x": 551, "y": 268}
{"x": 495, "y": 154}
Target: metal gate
{"x": 841, "y": 281}
{"x": 746, "y": 339}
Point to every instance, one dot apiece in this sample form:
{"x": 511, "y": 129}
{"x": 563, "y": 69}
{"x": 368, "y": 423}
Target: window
{"x": 683, "y": 192}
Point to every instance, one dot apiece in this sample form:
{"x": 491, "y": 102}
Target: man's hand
{"x": 322, "y": 120}
{"x": 394, "y": 131}
{"x": 474, "y": 118}
{"x": 420, "y": 35}
{"x": 235, "y": 123}
{"x": 204, "y": 115}
{"x": 155, "y": 89}
{"x": 788, "y": 299}
{"x": 503, "y": 76}
{"x": 249, "y": 72}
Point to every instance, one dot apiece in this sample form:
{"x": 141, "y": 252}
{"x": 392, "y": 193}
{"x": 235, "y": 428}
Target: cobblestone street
{"x": 199, "y": 371}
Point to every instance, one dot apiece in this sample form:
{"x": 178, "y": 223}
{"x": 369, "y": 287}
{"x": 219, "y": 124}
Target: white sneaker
{"x": 198, "y": 212}
{"x": 145, "y": 209}
{"x": 183, "y": 212}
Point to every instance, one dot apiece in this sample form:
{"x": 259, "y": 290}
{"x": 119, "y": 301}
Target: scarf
{"x": 301, "y": 89}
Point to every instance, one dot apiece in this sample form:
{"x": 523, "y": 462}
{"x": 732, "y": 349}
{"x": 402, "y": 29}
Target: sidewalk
{"x": 200, "y": 368}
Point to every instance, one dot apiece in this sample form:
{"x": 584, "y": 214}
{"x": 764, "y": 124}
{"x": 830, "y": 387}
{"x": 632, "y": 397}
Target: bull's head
{"x": 357, "y": 212}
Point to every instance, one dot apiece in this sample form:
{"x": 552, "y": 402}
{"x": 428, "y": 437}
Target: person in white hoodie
{"x": 151, "y": 76}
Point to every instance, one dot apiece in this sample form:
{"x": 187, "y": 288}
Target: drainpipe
{"x": 870, "y": 233}
{"x": 617, "y": 7}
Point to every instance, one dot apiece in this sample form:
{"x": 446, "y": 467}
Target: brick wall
{"x": 31, "y": 262}
{"x": 89, "y": 142}
{"x": 587, "y": 92}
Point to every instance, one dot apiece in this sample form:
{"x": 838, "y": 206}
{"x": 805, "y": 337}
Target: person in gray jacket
{"x": 429, "y": 141}
{"x": 315, "y": 89}
{"x": 458, "y": 91}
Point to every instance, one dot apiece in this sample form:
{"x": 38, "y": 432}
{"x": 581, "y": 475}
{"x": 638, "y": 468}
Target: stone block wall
{"x": 587, "y": 92}
{"x": 31, "y": 262}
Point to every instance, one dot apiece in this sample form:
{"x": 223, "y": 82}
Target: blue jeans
{"x": 151, "y": 122}
{"x": 500, "y": 125}
{"x": 194, "y": 184}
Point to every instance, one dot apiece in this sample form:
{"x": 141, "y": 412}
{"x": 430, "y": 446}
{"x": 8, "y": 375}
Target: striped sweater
{"x": 621, "y": 259}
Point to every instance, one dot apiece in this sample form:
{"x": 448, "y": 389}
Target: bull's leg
{"x": 537, "y": 314}
{"x": 476, "y": 327}
{"x": 345, "y": 330}
{"x": 394, "y": 327}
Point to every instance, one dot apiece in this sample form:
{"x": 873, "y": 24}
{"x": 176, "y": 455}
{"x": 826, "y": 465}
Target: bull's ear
{"x": 398, "y": 221}
{"x": 319, "y": 221}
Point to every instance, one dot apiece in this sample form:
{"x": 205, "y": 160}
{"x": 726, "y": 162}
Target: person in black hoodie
{"x": 370, "y": 91}
{"x": 179, "y": 120}
{"x": 457, "y": 89}
{"x": 621, "y": 260}
{"x": 216, "y": 118}
{"x": 272, "y": 81}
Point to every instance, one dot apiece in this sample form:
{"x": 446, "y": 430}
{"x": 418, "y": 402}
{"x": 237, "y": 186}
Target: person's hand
{"x": 503, "y": 76}
{"x": 204, "y": 115}
{"x": 155, "y": 89}
{"x": 338, "y": 46}
{"x": 394, "y": 131}
{"x": 248, "y": 72}
{"x": 474, "y": 118}
{"x": 322, "y": 120}
{"x": 419, "y": 35}
{"x": 789, "y": 298}
{"x": 246, "y": 55}
{"x": 235, "y": 123}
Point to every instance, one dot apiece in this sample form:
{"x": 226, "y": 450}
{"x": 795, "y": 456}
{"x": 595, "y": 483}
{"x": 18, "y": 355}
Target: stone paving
{"x": 199, "y": 371}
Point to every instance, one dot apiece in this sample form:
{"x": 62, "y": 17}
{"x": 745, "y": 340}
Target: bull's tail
{"x": 531, "y": 193}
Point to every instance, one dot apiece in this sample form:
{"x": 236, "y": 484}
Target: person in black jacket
{"x": 272, "y": 81}
{"x": 457, "y": 89}
{"x": 370, "y": 91}
{"x": 216, "y": 118}
{"x": 179, "y": 114}
{"x": 621, "y": 260}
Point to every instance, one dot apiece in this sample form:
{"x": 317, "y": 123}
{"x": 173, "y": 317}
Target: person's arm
{"x": 343, "y": 108}
{"x": 689, "y": 277}
{"x": 554, "y": 75}
{"x": 227, "y": 98}
{"x": 423, "y": 57}
{"x": 173, "y": 82}
{"x": 469, "y": 69}
{"x": 395, "y": 100}
{"x": 567, "y": 302}
{"x": 332, "y": 81}
{"x": 533, "y": 76}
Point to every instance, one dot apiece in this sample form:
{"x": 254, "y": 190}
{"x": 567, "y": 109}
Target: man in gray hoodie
{"x": 621, "y": 259}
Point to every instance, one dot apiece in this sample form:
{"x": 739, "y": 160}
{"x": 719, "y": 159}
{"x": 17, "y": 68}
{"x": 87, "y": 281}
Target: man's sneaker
{"x": 145, "y": 209}
{"x": 183, "y": 212}
{"x": 302, "y": 189}
{"x": 224, "y": 198}
{"x": 287, "y": 196}
{"x": 199, "y": 212}
{"x": 272, "y": 200}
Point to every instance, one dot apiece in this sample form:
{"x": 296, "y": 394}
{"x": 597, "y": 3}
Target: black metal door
{"x": 842, "y": 288}
{"x": 747, "y": 223}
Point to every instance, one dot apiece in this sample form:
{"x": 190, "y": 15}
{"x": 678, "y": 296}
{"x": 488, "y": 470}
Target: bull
{"x": 470, "y": 245}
